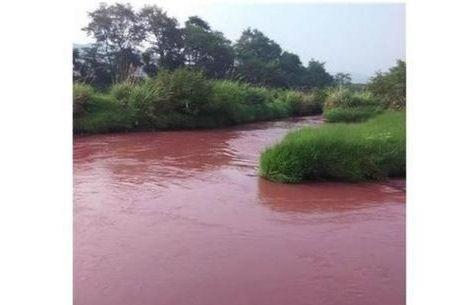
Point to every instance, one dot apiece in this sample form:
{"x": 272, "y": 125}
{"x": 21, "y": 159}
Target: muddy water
{"x": 181, "y": 218}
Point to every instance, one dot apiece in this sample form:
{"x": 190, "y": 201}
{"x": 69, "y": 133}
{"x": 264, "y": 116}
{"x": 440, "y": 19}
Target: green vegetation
{"x": 372, "y": 150}
{"x": 390, "y": 87}
{"x": 343, "y": 104}
{"x": 185, "y": 98}
{"x": 146, "y": 72}
{"x": 98, "y": 113}
{"x": 342, "y": 97}
{"x": 132, "y": 43}
{"x": 350, "y": 115}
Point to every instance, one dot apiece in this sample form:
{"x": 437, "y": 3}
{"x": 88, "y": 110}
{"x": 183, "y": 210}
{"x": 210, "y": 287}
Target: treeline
{"x": 145, "y": 72}
{"x": 129, "y": 42}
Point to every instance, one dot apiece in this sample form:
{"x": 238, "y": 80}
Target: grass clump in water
{"x": 372, "y": 150}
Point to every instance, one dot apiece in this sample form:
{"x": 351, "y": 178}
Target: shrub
{"x": 294, "y": 100}
{"x": 350, "y": 115}
{"x": 371, "y": 150}
{"x": 279, "y": 109}
{"x": 228, "y": 101}
{"x": 122, "y": 91}
{"x": 185, "y": 99}
{"x": 82, "y": 96}
{"x": 145, "y": 104}
{"x": 235, "y": 103}
{"x": 313, "y": 102}
{"x": 105, "y": 115}
{"x": 187, "y": 91}
{"x": 346, "y": 98}
{"x": 256, "y": 95}
{"x": 390, "y": 87}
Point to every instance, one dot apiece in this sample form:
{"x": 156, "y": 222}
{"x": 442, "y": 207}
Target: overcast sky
{"x": 354, "y": 38}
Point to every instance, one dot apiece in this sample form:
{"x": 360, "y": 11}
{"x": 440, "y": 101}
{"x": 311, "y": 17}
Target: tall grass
{"x": 82, "y": 97}
{"x": 347, "y": 105}
{"x": 351, "y": 115}
{"x": 103, "y": 114}
{"x": 347, "y": 98}
{"x": 372, "y": 150}
{"x": 184, "y": 99}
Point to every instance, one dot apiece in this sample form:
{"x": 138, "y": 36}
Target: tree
{"x": 316, "y": 76}
{"x": 258, "y": 59}
{"x": 164, "y": 37}
{"x": 206, "y": 49}
{"x": 292, "y": 69}
{"x": 342, "y": 79}
{"x": 391, "y": 86}
{"x": 126, "y": 40}
{"x": 253, "y": 44}
{"x": 149, "y": 64}
{"x": 118, "y": 34}
{"x": 90, "y": 66}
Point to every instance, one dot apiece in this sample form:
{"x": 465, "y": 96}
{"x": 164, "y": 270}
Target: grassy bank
{"x": 185, "y": 99}
{"x": 372, "y": 150}
{"x": 351, "y": 115}
{"x": 345, "y": 105}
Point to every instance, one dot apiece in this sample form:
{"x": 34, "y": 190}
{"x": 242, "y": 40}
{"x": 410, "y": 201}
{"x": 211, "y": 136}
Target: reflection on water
{"x": 183, "y": 218}
{"x": 324, "y": 196}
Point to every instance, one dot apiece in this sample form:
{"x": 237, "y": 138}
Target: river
{"x": 181, "y": 218}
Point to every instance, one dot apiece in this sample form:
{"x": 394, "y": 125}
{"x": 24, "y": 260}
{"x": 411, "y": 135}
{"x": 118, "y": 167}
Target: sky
{"x": 359, "y": 39}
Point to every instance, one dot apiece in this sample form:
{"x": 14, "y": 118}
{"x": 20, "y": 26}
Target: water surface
{"x": 181, "y": 218}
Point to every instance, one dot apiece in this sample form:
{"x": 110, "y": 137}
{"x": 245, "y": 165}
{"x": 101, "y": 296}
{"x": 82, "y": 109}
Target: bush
{"x": 313, "y": 102}
{"x": 390, "y": 87}
{"x": 161, "y": 102}
{"x": 256, "y": 95}
{"x": 347, "y": 98}
{"x": 105, "y": 114}
{"x": 350, "y": 115}
{"x": 228, "y": 101}
{"x": 82, "y": 96}
{"x": 367, "y": 151}
{"x": 187, "y": 91}
{"x": 294, "y": 100}
{"x": 122, "y": 92}
{"x": 240, "y": 103}
{"x": 145, "y": 104}
{"x": 186, "y": 99}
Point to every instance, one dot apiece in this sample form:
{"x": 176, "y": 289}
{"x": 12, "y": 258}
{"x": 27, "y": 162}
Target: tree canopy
{"x": 206, "y": 49}
{"x": 127, "y": 40}
{"x": 391, "y": 85}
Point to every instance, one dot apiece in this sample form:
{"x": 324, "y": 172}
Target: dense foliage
{"x": 372, "y": 150}
{"x": 145, "y": 72}
{"x": 129, "y": 42}
{"x": 350, "y": 115}
{"x": 185, "y": 98}
{"x": 391, "y": 86}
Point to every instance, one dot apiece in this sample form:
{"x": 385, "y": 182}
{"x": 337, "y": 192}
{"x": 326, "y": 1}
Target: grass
{"x": 351, "y": 115}
{"x": 372, "y": 150}
{"x": 348, "y": 98}
{"x": 103, "y": 114}
{"x": 184, "y": 99}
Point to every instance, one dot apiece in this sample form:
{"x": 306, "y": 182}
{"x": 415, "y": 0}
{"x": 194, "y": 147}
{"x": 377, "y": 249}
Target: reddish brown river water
{"x": 181, "y": 218}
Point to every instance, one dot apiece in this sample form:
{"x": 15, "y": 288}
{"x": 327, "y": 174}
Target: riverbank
{"x": 185, "y": 99}
{"x": 373, "y": 150}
